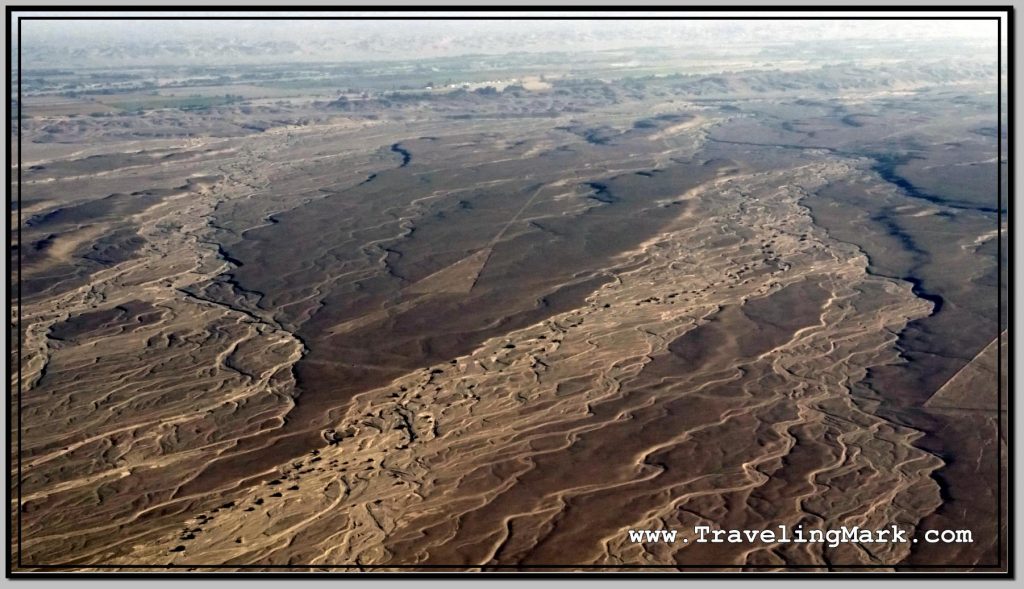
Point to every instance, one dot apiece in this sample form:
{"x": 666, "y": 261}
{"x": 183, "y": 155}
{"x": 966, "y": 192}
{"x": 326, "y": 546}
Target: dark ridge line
{"x": 43, "y": 244}
{"x": 229, "y": 278}
{"x": 406, "y": 156}
{"x": 228, "y": 257}
{"x": 544, "y": 229}
{"x": 601, "y": 193}
{"x": 905, "y": 238}
{"x": 920, "y": 258}
{"x": 919, "y": 291}
{"x": 388, "y": 264}
{"x": 217, "y": 303}
{"x": 212, "y": 223}
{"x": 43, "y": 218}
{"x": 884, "y": 166}
{"x": 907, "y": 241}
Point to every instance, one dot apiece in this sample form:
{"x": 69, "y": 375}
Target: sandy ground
{"x": 706, "y": 380}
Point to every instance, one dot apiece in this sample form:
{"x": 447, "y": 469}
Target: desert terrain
{"x": 492, "y": 313}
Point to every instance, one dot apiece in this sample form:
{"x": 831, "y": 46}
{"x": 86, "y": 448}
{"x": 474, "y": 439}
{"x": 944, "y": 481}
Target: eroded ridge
{"x": 707, "y": 384}
{"x": 136, "y": 373}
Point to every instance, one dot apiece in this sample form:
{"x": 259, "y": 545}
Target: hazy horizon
{"x": 67, "y": 43}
